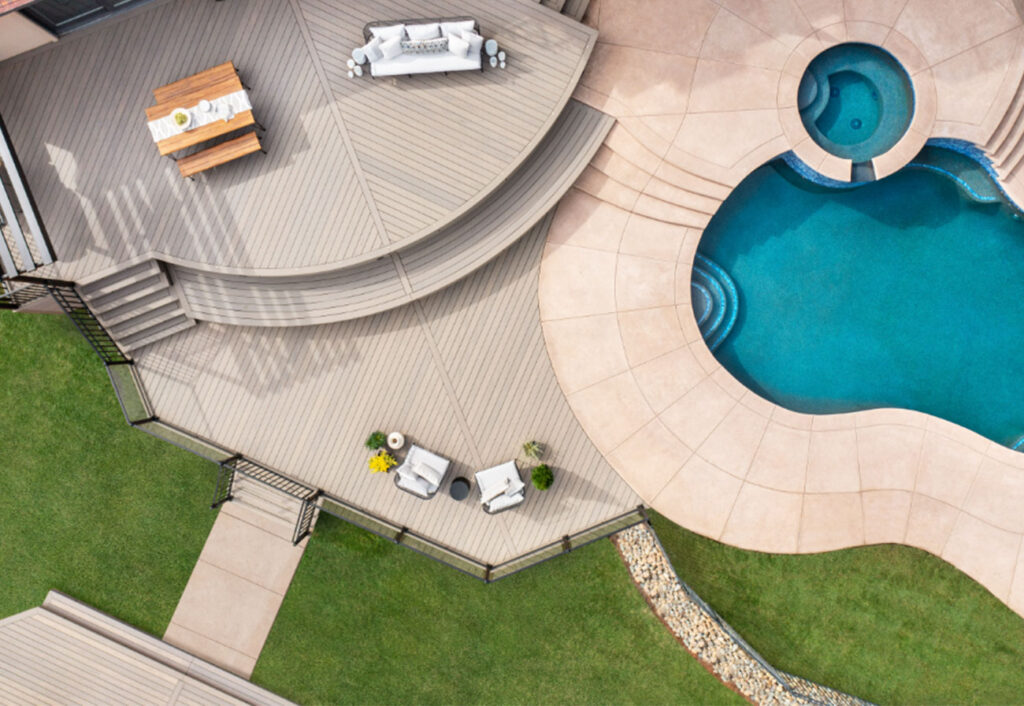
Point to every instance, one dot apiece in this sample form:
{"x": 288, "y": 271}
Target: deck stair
{"x": 136, "y": 304}
{"x": 279, "y": 509}
{"x": 571, "y": 8}
{"x": 1006, "y": 144}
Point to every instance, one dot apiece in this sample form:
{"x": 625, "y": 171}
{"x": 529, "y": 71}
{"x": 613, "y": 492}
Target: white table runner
{"x": 223, "y": 108}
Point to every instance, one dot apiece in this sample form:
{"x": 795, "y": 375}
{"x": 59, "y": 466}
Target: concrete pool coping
{"x": 692, "y": 441}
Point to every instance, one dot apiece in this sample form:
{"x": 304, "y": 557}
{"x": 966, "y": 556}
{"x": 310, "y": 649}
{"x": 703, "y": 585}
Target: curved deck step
{"x": 420, "y": 269}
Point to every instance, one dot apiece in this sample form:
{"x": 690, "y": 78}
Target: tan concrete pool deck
{"x": 704, "y": 93}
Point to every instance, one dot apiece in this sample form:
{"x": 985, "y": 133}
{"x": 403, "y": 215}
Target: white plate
{"x": 183, "y": 126}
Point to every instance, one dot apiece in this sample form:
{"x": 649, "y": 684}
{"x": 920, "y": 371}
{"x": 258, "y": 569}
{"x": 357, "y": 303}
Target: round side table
{"x": 396, "y": 440}
{"x": 359, "y": 56}
{"x": 491, "y": 47}
{"x": 459, "y": 489}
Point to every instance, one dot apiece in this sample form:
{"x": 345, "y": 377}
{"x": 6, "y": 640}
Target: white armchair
{"x": 500, "y": 487}
{"x": 422, "y": 472}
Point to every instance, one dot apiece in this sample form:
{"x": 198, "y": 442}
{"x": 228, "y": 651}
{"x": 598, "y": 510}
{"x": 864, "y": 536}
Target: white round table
{"x": 491, "y": 47}
{"x": 359, "y": 56}
{"x": 396, "y": 440}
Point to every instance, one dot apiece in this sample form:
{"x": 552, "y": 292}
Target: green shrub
{"x": 377, "y": 440}
{"x": 542, "y": 477}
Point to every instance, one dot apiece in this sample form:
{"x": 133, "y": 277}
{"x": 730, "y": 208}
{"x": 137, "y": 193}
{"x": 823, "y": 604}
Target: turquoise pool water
{"x": 904, "y": 292}
{"x": 856, "y": 101}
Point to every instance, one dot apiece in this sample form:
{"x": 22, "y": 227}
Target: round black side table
{"x": 459, "y": 489}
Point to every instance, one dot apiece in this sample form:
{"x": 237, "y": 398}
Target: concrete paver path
{"x": 236, "y": 589}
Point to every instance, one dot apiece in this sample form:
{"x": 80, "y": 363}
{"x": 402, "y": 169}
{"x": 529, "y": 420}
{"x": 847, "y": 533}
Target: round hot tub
{"x": 856, "y": 101}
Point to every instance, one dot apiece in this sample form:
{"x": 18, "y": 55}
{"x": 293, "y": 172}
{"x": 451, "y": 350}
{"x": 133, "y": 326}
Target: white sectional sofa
{"x": 422, "y": 472}
{"x": 422, "y": 46}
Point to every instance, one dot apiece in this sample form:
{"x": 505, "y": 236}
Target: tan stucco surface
{"x": 704, "y": 92}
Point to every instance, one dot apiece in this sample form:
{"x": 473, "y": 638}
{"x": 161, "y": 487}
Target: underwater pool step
{"x": 716, "y": 301}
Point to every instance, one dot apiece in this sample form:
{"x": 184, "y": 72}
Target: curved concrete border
{"x": 615, "y": 281}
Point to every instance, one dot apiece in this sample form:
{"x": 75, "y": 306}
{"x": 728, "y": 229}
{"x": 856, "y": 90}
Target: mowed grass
{"x": 88, "y": 505}
{"x": 369, "y": 622}
{"x": 887, "y": 623}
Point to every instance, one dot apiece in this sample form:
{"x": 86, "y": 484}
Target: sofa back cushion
{"x": 388, "y": 32}
{"x": 429, "y": 30}
{"x": 458, "y": 27}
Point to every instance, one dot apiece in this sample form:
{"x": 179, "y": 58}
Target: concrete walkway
{"x": 236, "y": 589}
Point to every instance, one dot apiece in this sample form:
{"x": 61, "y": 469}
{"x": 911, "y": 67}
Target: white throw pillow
{"x": 389, "y": 32}
{"x": 458, "y": 46}
{"x": 429, "y": 474}
{"x": 391, "y": 48}
{"x": 476, "y": 42}
{"x": 424, "y": 31}
{"x": 371, "y": 50}
{"x": 515, "y": 486}
{"x": 494, "y": 492}
{"x": 456, "y": 28}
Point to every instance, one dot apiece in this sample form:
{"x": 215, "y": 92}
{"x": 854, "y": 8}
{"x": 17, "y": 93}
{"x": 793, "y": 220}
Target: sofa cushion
{"x": 371, "y": 50}
{"x": 476, "y": 42}
{"x": 391, "y": 48}
{"x": 430, "y": 30}
{"x": 503, "y": 501}
{"x": 431, "y": 475}
{"x": 458, "y": 46}
{"x": 449, "y": 28}
{"x": 388, "y": 32}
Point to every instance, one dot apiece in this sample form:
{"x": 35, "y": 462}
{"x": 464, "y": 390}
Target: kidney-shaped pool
{"x": 904, "y": 292}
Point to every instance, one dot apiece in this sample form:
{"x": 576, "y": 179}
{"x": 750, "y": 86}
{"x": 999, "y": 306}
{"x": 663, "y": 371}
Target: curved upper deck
{"x": 356, "y": 168}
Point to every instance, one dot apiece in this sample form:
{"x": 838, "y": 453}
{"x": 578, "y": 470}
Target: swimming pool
{"x": 855, "y": 101}
{"x": 906, "y": 292}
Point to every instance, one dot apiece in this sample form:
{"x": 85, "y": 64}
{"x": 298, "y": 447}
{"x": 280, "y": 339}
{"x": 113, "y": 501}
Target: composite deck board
{"x": 428, "y": 264}
{"x": 463, "y": 372}
{"x": 66, "y": 652}
{"x": 354, "y": 167}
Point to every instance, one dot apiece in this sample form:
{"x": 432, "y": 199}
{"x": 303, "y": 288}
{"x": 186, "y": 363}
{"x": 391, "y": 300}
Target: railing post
{"x": 566, "y": 544}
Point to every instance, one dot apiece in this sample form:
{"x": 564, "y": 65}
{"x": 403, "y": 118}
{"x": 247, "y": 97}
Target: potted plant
{"x": 542, "y": 477}
{"x": 533, "y": 450}
{"x": 376, "y": 440}
{"x": 382, "y": 462}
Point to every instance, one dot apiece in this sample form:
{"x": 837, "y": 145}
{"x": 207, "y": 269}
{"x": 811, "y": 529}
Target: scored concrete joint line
{"x": 236, "y": 588}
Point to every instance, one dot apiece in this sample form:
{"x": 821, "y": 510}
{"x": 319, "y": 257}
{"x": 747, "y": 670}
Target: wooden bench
{"x": 219, "y": 154}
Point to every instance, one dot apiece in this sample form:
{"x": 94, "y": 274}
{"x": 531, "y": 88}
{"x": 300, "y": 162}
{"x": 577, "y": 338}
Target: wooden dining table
{"x": 215, "y": 82}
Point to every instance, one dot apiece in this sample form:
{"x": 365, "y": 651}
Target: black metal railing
{"x": 84, "y": 320}
{"x": 13, "y": 296}
{"x": 463, "y": 562}
{"x": 225, "y": 484}
{"x": 304, "y": 522}
{"x": 274, "y": 479}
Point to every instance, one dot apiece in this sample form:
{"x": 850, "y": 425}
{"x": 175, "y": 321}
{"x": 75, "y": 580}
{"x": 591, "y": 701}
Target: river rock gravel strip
{"x": 706, "y": 636}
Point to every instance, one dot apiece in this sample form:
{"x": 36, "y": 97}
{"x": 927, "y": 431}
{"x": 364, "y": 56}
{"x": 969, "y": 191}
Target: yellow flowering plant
{"x": 382, "y": 462}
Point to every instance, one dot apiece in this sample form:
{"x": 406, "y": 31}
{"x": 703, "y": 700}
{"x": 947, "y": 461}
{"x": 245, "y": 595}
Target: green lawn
{"x": 887, "y": 623}
{"x": 366, "y": 621}
{"x": 88, "y": 505}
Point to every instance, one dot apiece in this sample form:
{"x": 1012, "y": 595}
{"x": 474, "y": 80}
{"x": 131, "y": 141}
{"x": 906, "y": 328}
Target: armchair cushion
{"x": 492, "y": 492}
